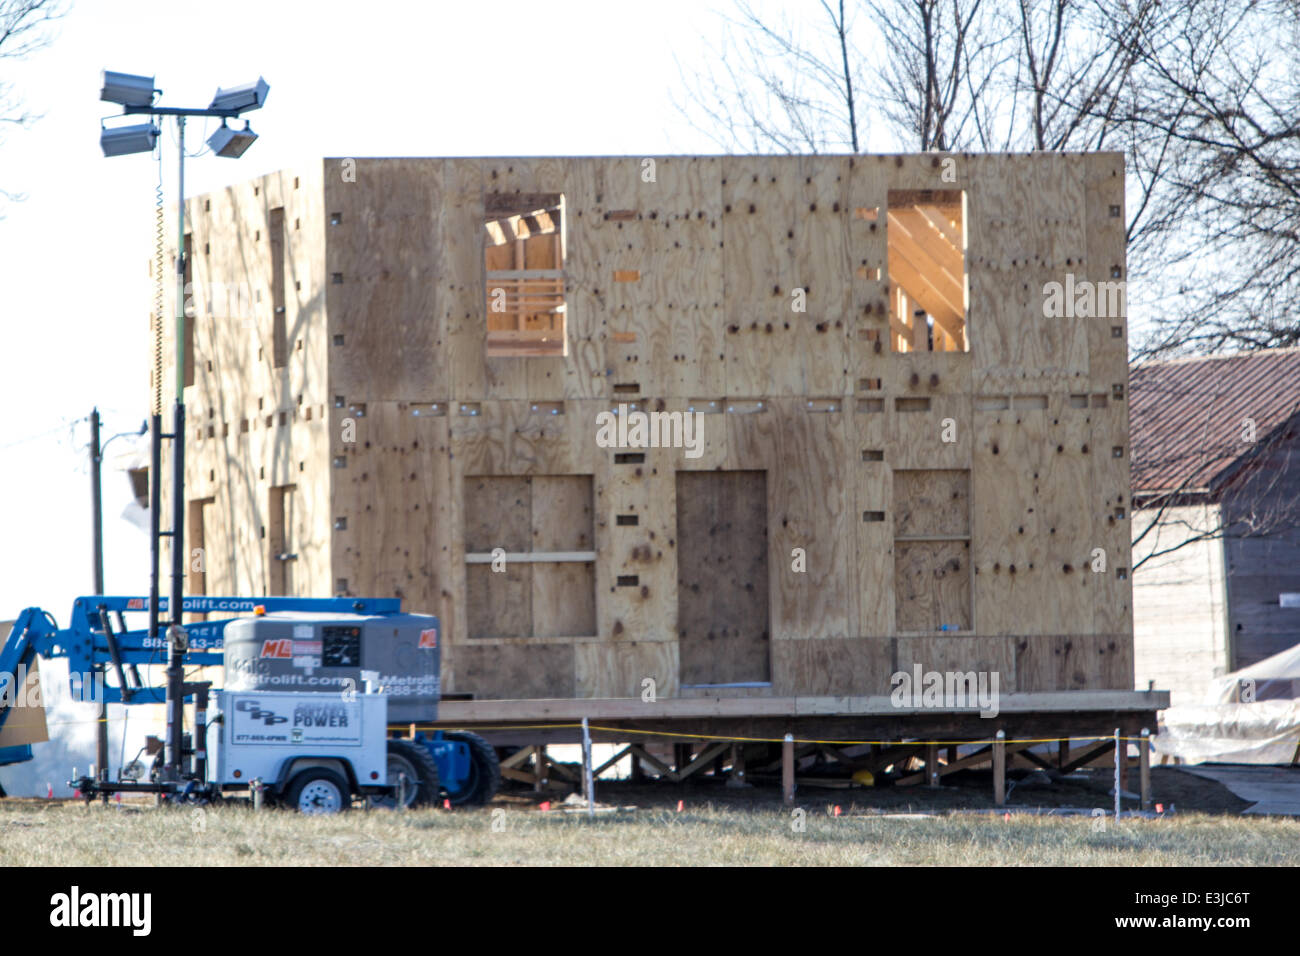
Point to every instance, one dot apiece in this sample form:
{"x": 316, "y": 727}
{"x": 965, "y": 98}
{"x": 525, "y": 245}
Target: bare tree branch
{"x": 24, "y": 29}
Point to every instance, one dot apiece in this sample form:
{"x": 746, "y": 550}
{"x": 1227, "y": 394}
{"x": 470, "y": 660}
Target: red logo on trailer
{"x": 282, "y": 649}
{"x": 429, "y": 638}
{"x": 135, "y": 604}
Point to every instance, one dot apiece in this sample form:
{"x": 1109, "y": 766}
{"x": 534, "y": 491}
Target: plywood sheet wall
{"x": 682, "y": 276}
{"x": 252, "y": 425}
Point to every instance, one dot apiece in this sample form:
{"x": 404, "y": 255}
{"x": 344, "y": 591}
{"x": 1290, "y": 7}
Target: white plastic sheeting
{"x": 1250, "y": 716}
{"x": 1274, "y": 678}
{"x": 1267, "y": 731}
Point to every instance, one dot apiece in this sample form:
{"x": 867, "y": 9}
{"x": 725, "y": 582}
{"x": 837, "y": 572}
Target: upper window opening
{"x": 279, "y": 325}
{"x": 524, "y": 261}
{"x": 927, "y": 270}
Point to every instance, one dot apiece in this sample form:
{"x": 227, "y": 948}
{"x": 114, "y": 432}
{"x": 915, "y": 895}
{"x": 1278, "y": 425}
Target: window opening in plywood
{"x": 932, "y": 522}
{"x": 196, "y": 575}
{"x": 279, "y": 333}
{"x": 282, "y": 539}
{"x": 724, "y": 625}
{"x": 926, "y": 233}
{"x": 530, "y": 559}
{"x": 523, "y": 254}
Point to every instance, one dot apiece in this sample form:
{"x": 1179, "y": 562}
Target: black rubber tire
{"x": 426, "y": 790}
{"x": 306, "y": 778}
{"x": 485, "y": 772}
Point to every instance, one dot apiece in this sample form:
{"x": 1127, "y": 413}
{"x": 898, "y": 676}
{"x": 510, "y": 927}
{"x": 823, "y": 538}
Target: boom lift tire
{"x": 485, "y": 772}
{"x": 421, "y": 774}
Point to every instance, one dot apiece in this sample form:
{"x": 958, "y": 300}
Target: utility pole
{"x": 97, "y": 519}
{"x": 96, "y": 501}
{"x": 96, "y": 679}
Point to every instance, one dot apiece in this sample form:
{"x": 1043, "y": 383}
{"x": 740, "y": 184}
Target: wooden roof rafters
{"x": 539, "y": 222}
{"x": 926, "y": 255}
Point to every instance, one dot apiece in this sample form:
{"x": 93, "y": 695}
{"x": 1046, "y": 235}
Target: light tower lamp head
{"x": 125, "y": 140}
{"x": 232, "y": 143}
{"x": 241, "y": 99}
{"x": 127, "y": 89}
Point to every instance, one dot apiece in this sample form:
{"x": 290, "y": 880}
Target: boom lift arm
{"x": 97, "y": 638}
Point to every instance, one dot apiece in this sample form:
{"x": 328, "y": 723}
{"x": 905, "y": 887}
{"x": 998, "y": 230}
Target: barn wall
{"x": 1180, "y": 638}
{"x": 1259, "y": 569}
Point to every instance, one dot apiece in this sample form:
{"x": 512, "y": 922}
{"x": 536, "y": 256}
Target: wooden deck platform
{"x": 718, "y": 732}
{"x": 682, "y": 707}
{"x": 1076, "y": 713}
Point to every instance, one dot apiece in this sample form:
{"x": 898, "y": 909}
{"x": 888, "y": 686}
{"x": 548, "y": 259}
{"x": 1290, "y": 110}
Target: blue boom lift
{"x": 98, "y": 640}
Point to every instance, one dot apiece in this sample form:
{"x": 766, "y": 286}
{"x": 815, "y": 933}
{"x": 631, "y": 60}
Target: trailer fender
{"x": 292, "y": 767}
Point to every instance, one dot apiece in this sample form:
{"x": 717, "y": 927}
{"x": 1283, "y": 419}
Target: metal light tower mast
{"x": 136, "y": 95}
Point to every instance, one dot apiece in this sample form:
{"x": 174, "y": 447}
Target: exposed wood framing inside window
{"x": 524, "y": 263}
{"x": 927, "y": 270}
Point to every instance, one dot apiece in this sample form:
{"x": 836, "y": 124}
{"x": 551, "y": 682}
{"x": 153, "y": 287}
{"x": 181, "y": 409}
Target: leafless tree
{"x": 25, "y": 27}
{"x": 1164, "y": 523}
{"x": 1201, "y": 96}
{"x": 796, "y": 85}
{"x": 1246, "y": 481}
{"x": 943, "y": 60}
{"x": 1226, "y": 76}
{"x": 779, "y": 85}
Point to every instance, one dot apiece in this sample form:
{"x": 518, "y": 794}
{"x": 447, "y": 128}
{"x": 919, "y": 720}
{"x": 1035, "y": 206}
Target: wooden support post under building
{"x": 737, "y": 778}
{"x": 787, "y": 770}
{"x": 681, "y": 756}
{"x": 1144, "y": 767}
{"x": 1000, "y": 769}
{"x": 539, "y": 766}
{"x": 932, "y": 765}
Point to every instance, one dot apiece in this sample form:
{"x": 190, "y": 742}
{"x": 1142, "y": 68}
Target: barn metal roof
{"x": 1187, "y": 415}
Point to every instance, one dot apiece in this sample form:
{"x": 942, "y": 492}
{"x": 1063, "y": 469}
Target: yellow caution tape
{"x": 777, "y": 740}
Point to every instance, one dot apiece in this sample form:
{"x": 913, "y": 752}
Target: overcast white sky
{"x": 380, "y": 78}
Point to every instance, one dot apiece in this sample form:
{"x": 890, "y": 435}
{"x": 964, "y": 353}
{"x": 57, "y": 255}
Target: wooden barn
{"x": 740, "y": 426}
{"x": 1216, "y": 486}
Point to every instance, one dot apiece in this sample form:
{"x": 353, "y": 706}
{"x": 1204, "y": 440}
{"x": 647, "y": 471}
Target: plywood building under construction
{"x": 400, "y": 370}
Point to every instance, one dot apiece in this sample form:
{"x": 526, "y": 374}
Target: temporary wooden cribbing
{"x": 787, "y": 770}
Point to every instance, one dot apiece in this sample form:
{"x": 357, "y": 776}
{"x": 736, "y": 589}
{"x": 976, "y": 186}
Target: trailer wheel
{"x": 318, "y": 790}
{"x": 484, "y": 778}
{"x": 421, "y": 773}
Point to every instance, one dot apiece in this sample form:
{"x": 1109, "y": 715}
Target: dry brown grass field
{"x": 37, "y": 833}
